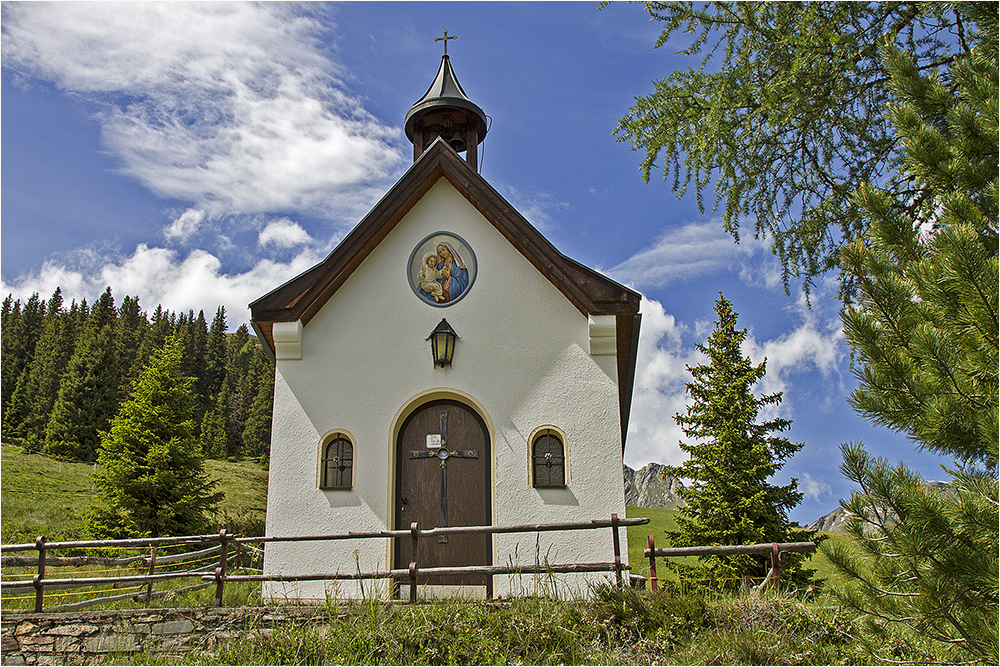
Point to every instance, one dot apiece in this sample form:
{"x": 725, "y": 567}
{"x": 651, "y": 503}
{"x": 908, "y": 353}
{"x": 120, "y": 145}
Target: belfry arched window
{"x": 337, "y": 462}
{"x": 548, "y": 460}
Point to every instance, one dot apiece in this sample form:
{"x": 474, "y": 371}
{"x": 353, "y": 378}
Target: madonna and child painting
{"x": 442, "y": 268}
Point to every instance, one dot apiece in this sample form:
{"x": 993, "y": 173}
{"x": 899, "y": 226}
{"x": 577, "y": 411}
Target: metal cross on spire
{"x": 445, "y": 40}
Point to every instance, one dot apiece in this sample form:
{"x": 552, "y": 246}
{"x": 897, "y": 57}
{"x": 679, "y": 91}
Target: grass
{"x": 612, "y": 627}
{"x": 44, "y": 496}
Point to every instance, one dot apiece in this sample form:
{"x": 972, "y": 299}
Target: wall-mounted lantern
{"x": 443, "y": 343}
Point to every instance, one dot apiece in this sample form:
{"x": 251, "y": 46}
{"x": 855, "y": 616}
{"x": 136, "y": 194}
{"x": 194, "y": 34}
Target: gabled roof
{"x": 590, "y": 292}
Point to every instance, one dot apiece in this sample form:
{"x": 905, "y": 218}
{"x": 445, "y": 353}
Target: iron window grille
{"x": 338, "y": 464}
{"x": 548, "y": 461}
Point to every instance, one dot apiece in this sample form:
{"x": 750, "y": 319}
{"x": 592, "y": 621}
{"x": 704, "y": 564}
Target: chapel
{"x": 445, "y": 365}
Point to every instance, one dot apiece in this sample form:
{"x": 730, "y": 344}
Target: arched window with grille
{"x": 548, "y": 460}
{"x": 337, "y": 462}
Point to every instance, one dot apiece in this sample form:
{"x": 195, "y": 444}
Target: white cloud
{"x": 816, "y": 344}
{"x": 232, "y": 107}
{"x": 160, "y": 276}
{"x": 283, "y": 233}
{"x": 185, "y": 225}
{"x": 814, "y": 489}
{"x": 694, "y": 250}
{"x": 659, "y": 390}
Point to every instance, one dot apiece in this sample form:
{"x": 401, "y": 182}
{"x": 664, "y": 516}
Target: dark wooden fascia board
{"x": 628, "y": 325}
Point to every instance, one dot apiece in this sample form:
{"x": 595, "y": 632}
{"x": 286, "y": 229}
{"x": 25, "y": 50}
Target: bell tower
{"x": 446, "y": 111}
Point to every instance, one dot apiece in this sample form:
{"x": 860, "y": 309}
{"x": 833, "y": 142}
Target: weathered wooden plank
{"x": 732, "y": 549}
{"x": 430, "y": 572}
{"x": 137, "y": 542}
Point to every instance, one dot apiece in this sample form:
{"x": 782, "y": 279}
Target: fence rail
{"x": 779, "y": 551}
{"x": 40, "y": 582}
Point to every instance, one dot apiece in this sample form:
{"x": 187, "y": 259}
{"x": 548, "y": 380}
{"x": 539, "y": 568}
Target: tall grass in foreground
{"x": 613, "y": 627}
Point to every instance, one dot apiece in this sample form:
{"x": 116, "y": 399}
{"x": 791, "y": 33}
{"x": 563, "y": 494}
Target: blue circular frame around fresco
{"x": 456, "y": 244}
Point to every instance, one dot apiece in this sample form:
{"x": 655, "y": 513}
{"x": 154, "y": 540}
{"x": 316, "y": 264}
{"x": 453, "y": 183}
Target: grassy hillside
{"x": 44, "y": 496}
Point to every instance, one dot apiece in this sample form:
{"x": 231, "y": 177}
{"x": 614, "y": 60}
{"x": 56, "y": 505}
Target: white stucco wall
{"x": 524, "y": 360}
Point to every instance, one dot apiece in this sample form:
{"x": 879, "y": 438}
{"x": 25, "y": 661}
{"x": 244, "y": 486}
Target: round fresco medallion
{"x": 442, "y": 269}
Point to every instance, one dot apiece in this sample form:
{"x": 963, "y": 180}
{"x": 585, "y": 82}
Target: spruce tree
{"x": 215, "y": 354}
{"x": 130, "y": 329}
{"x": 153, "y": 481}
{"x": 924, "y": 330}
{"x": 213, "y": 435}
{"x": 89, "y": 389}
{"x": 730, "y": 500}
{"x": 34, "y": 396}
{"x": 257, "y": 431}
{"x": 239, "y": 389}
{"x": 20, "y": 335}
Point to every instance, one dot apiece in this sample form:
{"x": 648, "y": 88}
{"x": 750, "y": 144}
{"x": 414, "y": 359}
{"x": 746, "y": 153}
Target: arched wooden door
{"x": 449, "y": 485}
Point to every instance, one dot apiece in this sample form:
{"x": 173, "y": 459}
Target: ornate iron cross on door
{"x": 443, "y": 454}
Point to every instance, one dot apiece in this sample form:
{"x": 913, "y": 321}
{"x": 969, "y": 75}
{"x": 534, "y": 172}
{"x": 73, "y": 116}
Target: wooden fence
{"x": 39, "y": 582}
{"x": 779, "y": 551}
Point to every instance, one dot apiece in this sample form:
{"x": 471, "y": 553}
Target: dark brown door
{"x": 463, "y": 475}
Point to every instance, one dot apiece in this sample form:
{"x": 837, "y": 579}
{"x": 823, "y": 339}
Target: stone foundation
{"x": 81, "y": 638}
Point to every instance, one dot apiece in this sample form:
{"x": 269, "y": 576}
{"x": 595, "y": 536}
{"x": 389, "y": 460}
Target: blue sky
{"x": 199, "y": 155}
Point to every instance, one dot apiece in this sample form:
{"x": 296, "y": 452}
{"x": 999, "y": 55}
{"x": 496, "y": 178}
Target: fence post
{"x": 152, "y": 568}
{"x": 618, "y": 550}
{"x": 776, "y": 566}
{"x": 651, "y": 544}
{"x": 220, "y": 572}
{"x": 37, "y": 579}
{"x": 413, "y": 562}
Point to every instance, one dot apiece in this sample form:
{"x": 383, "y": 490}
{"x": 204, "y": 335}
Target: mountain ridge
{"x": 647, "y": 487}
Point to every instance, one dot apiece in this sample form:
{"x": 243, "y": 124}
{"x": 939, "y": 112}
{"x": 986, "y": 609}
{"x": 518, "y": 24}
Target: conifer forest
{"x": 67, "y": 369}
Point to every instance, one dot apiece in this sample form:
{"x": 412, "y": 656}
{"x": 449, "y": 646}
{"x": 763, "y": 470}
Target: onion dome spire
{"x": 446, "y": 111}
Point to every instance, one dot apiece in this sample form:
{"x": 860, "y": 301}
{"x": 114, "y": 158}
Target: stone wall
{"x": 80, "y": 638}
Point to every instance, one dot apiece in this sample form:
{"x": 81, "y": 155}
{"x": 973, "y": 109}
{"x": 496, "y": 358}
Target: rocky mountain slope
{"x": 646, "y": 487}
{"x": 831, "y": 523}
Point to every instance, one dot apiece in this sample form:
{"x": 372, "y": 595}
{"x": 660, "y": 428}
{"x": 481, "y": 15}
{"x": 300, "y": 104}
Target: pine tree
{"x": 779, "y": 117}
{"x": 130, "y": 329}
{"x": 88, "y": 391}
{"x": 32, "y": 402}
{"x": 239, "y": 389}
{"x": 730, "y": 500}
{"x": 924, "y": 331}
{"x": 257, "y": 432}
{"x": 154, "y": 481}
{"x": 214, "y": 437}
{"x": 215, "y": 354}
{"x": 20, "y": 335}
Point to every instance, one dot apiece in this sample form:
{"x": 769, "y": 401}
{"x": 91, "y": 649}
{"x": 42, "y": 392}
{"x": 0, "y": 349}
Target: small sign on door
{"x": 434, "y": 441}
